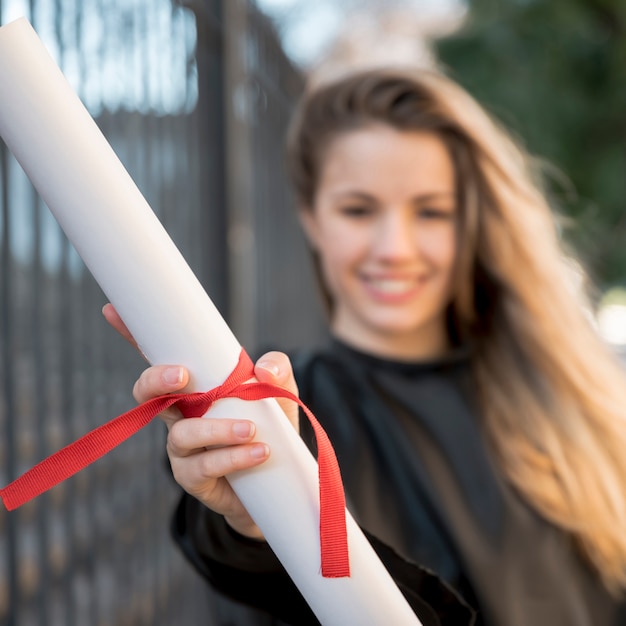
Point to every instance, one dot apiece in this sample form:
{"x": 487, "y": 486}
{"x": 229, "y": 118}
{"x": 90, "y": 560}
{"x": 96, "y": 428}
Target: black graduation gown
{"x": 420, "y": 481}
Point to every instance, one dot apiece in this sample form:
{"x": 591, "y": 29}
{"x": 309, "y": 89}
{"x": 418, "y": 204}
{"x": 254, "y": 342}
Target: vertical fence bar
{"x": 212, "y": 215}
{"x": 40, "y": 392}
{"x": 66, "y": 321}
{"x": 238, "y": 92}
{"x": 8, "y": 397}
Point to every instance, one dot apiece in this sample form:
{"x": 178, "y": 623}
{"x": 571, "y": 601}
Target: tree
{"x": 555, "y": 72}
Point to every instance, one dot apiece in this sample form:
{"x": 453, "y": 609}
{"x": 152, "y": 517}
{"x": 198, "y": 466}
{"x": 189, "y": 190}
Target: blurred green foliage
{"x": 554, "y": 72}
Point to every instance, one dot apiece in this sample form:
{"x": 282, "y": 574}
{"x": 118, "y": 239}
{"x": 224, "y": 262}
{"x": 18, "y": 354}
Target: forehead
{"x": 382, "y": 160}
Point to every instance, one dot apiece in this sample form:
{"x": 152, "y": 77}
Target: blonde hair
{"x": 552, "y": 395}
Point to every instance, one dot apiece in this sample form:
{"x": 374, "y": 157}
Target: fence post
{"x": 239, "y": 173}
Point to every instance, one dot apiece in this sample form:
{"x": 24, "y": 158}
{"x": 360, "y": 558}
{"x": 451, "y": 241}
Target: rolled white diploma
{"x": 141, "y": 271}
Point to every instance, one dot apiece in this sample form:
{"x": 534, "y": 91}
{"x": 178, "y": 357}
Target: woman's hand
{"x": 202, "y": 451}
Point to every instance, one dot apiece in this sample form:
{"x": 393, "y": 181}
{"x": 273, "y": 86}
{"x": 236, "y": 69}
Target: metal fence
{"x": 193, "y": 97}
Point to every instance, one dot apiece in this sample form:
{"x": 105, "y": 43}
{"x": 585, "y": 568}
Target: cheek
{"x": 440, "y": 248}
{"x": 340, "y": 252}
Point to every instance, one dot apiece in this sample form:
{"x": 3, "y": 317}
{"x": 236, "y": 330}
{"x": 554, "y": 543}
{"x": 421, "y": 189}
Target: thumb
{"x": 274, "y": 368}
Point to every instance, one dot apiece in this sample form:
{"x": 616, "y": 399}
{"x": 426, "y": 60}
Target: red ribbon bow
{"x": 95, "y": 444}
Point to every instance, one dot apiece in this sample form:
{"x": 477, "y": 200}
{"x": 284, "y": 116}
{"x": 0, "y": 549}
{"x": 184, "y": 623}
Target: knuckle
{"x": 206, "y": 465}
{"x": 220, "y": 462}
{"x": 234, "y": 457}
{"x": 175, "y": 437}
{"x": 210, "y": 430}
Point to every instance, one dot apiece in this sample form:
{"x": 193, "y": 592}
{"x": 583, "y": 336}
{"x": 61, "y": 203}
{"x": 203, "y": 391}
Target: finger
{"x": 275, "y": 368}
{"x": 158, "y": 380}
{"x": 113, "y": 318}
{"x": 188, "y": 436}
{"x": 194, "y": 472}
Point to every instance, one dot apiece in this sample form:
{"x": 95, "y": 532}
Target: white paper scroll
{"x": 143, "y": 274}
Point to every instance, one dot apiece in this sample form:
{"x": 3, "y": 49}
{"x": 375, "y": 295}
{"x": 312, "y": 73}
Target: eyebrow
{"x": 425, "y": 197}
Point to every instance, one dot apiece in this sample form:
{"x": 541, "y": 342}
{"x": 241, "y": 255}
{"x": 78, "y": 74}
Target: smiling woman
{"x": 383, "y": 223}
{"x": 478, "y": 419}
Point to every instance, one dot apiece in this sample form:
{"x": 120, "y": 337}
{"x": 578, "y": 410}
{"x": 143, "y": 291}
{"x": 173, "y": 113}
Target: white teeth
{"x": 392, "y": 286}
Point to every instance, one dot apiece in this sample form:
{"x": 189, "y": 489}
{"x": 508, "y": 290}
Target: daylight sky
{"x": 306, "y": 27}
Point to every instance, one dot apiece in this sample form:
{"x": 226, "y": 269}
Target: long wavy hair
{"x": 552, "y": 394}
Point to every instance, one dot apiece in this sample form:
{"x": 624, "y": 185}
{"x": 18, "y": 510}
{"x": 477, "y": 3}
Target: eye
{"x": 435, "y": 213}
{"x": 356, "y": 211}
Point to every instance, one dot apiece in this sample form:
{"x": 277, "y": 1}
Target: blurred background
{"x": 194, "y": 96}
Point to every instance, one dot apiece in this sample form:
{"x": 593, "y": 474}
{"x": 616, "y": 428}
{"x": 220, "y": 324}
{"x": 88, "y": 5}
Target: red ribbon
{"x": 95, "y": 444}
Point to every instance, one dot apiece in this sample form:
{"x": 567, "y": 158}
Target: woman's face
{"x": 384, "y": 226}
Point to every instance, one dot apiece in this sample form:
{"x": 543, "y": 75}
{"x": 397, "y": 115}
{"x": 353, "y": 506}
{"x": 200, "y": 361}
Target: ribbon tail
{"x": 335, "y": 559}
{"x": 82, "y": 452}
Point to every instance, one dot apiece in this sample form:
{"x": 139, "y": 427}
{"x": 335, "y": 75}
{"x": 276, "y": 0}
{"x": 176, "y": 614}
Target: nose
{"x": 395, "y": 237}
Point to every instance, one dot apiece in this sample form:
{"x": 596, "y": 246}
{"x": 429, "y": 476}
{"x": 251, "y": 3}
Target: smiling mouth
{"x": 393, "y": 286}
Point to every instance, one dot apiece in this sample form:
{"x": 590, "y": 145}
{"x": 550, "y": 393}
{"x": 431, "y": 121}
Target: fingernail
{"x": 269, "y": 366}
{"x": 259, "y": 451}
{"x": 173, "y": 375}
{"x": 243, "y": 429}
